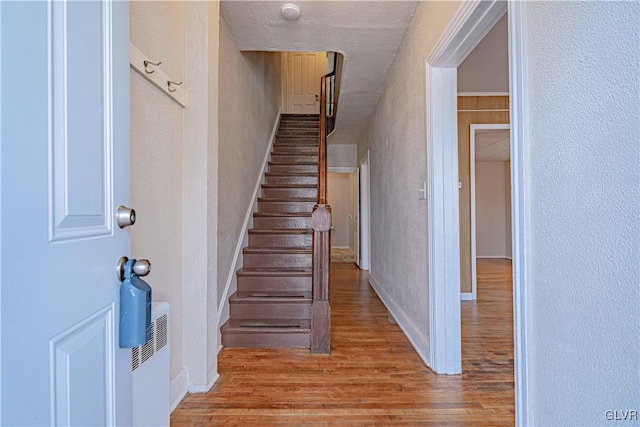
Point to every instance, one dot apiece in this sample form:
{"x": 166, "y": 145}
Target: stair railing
{"x": 321, "y": 225}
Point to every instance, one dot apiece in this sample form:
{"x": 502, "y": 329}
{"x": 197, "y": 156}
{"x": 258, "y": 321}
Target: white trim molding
{"x": 518, "y": 82}
{"x": 416, "y": 337}
{"x": 205, "y": 389}
{"x": 443, "y": 221}
{"x": 466, "y": 29}
{"x": 341, "y": 169}
{"x": 179, "y": 388}
{"x": 472, "y": 175}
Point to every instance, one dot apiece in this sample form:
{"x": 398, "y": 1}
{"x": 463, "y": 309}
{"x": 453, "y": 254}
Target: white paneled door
{"x": 64, "y": 126}
{"x": 304, "y": 70}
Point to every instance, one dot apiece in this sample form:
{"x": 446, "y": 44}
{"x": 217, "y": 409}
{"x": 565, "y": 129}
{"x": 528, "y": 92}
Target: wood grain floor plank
{"x": 373, "y": 376}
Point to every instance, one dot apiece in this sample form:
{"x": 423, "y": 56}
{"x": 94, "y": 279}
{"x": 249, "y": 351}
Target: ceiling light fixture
{"x": 290, "y": 12}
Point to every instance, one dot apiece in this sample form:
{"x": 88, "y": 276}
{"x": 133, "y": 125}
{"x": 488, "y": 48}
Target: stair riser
{"x": 292, "y": 149}
{"x": 279, "y": 240}
{"x": 293, "y": 168}
{"x": 277, "y": 260}
{"x": 294, "y": 158}
{"x": 274, "y": 284}
{"x": 273, "y": 310}
{"x": 266, "y": 340}
{"x": 285, "y": 207}
{"x": 281, "y": 222}
{"x": 290, "y": 192}
{"x": 288, "y": 180}
{"x": 307, "y": 130}
{"x": 297, "y": 134}
{"x": 297, "y": 124}
{"x": 288, "y": 140}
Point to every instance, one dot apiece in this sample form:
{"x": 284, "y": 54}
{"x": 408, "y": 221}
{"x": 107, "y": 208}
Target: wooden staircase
{"x": 273, "y": 303}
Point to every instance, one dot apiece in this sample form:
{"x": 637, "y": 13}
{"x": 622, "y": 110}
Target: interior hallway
{"x": 373, "y": 375}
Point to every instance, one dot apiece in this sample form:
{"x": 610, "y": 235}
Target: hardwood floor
{"x": 373, "y": 375}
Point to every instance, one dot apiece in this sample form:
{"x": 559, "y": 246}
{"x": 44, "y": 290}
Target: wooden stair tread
{"x": 281, "y": 250}
{"x": 271, "y": 297}
{"x": 296, "y": 174}
{"x": 295, "y": 141}
{"x": 274, "y": 272}
{"x": 289, "y": 186}
{"x": 302, "y": 326}
{"x": 291, "y": 138}
{"x": 287, "y": 199}
{"x": 294, "y": 163}
{"x": 283, "y": 214}
{"x": 297, "y": 163}
{"x": 280, "y": 231}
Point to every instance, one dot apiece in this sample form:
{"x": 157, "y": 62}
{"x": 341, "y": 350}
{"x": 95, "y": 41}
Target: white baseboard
{"x": 467, "y": 296}
{"x": 417, "y": 338}
{"x": 179, "y": 388}
{"x": 341, "y": 169}
{"x": 236, "y": 264}
{"x": 199, "y": 389}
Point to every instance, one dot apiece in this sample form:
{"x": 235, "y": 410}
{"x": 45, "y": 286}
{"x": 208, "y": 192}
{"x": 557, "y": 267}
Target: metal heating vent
{"x": 161, "y": 332}
{"x": 159, "y": 339}
{"x": 135, "y": 358}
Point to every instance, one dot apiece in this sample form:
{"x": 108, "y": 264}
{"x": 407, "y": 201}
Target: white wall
{"x": 491, "y": 210}
{"x": 342, "y": 156}
{"x": 174, "y": 179}
{"x": 486, "y": 69}
{"x": 249, "y": 97}
{"x": 338, "y": 191}
{"x": 157, "y": 29}
{"x": 583, "y": 180}
{"x": 395, "y": 136}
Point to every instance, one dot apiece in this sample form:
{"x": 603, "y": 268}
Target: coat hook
{"x": 146, "y": 66}
{"x": 170, "y": 84}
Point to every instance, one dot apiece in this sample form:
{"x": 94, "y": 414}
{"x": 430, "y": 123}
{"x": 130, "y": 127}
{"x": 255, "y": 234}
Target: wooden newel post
{"x": 320, "y": 309}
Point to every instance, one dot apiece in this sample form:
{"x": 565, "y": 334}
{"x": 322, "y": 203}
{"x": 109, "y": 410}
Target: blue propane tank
{"x": 135, "y": 309}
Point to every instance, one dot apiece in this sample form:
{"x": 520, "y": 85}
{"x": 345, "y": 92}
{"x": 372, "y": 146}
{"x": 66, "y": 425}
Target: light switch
{"x": 423, "y": 191}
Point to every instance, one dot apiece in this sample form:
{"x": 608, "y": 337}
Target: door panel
{"x": 80, "y": 140}
{"x": 303, "y": 81}
{"x": 86, "y": 399}
{"x": 64, "y": 154}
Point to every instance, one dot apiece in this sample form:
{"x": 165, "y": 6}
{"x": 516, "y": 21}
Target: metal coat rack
{"x": 151, "y": 71}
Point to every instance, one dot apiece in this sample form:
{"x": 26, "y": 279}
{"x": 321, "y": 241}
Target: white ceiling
{"x": 367, "y": 33}
{"x": 492, "y": 145}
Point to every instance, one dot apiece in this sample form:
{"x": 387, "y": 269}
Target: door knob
{"x": 142, "y": 267}
{"x": 125, "y": 216}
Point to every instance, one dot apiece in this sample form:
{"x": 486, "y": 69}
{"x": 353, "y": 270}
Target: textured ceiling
{"x": 492, "y": 145}
{"x": 367, "y": 33}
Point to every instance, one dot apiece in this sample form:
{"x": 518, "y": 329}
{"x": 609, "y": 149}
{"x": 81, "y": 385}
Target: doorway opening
{"x": 348, "y": 192}
{"x": 470, "y": 24}
{"x": 342, "y": 191}
{"x": 490, "y": 197}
